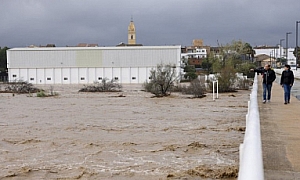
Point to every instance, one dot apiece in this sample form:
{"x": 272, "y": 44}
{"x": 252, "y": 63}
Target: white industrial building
{"x": 83, "y": 65}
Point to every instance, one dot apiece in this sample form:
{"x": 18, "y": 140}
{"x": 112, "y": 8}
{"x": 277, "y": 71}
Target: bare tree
{"x": 20, "y": 87}
{"x": 196, "y": 88}
{"x": 162, "y": 80}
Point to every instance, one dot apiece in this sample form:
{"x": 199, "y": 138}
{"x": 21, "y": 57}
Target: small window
{"x": 82, "y": 78}
{"x": 65, "y": 78}
{"x": 150, "y": 77}
{"x": 131, "y": 36}
{"x": 14, "y": 75}
{"x": 48, "y": 78}
{"x": 116, "y": 78}
{"x": 31, "y": 79}
{"x": 99, "y": 78}
{"x": 133, "y": 78}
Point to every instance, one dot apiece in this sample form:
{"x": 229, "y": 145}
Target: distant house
{"x": 263, "y": 59}
{"x": 195, "y": 55}
{"x": 196, "y": 62}
{"x": 48, "y": 45}
{"x": 194, "y": 52}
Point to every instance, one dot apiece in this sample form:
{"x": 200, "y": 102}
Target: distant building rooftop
{"x": 265, "y": 47}
{"x": 123, "y": 44}
{"x": 86, "y": 45}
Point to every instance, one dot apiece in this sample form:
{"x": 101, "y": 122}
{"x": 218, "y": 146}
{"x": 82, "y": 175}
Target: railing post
{"x": 217, "y": 86}
{"x": 217, "y": 89}
{"x": 213, "y": 90}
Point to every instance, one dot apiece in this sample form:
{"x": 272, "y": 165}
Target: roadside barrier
{"x": 251, "y": 160}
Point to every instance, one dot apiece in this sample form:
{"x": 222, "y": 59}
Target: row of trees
{"x": 3, "y": 59}
{"x": 297, "y": 49}
{"x": 234, "y": 57}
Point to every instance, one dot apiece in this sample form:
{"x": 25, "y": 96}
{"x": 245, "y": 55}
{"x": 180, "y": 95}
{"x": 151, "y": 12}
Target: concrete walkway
{"x": 280, "y": 130}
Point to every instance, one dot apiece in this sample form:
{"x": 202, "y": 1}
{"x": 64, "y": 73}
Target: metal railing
{"x": 251, "y": 160}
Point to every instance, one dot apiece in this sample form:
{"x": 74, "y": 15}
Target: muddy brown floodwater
{"x": 120, "y": 136}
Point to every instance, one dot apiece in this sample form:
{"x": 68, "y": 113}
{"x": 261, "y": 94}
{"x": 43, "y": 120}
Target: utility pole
{"x": 287, "y": 45}
{"x": 297, "y": 43}
{"x": 280, "y": 51}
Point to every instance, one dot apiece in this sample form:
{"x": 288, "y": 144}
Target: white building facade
{"x": 197, "y": 53}
{"x": 84, "y": 65}
{"x": 276, "y": 52}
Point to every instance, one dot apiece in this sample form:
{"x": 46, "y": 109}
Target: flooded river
{"x": 126, "y": 135}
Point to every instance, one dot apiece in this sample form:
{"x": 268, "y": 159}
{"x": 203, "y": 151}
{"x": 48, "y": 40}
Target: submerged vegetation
{"x": 104, "y": 86}
{"x": 19, "y": 87}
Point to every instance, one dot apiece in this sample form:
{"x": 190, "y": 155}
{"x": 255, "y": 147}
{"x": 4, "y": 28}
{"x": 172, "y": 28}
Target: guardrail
{"x": 296, "y": 72}
{"x": 251, "y": 160}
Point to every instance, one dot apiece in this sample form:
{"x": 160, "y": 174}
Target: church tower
{"x": 131, "y": 33}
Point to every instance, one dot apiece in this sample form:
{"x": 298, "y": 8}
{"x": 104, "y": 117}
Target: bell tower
{"x": 131, "y": 33}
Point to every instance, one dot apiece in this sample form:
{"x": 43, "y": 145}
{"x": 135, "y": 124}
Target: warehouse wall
{"x": 86, "y": 65}
{"x": 79, "y": 75}
{"x": 92, "y": 57}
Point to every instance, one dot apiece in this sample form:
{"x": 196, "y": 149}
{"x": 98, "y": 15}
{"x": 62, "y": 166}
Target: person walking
{"x": 269, "y": 77}
{"x": 287, "y": 81}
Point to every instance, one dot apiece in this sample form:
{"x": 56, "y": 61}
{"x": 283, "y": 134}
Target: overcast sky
{"x": 158, "y": 22}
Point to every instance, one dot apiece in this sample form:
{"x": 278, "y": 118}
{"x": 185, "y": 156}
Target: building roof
{"x": 123, "y": 44}
{"x": 262, "y": 57}
{"x": 92, "y": 45}
{"x": 265, "y": 47}
{"x": 93, "y": 48}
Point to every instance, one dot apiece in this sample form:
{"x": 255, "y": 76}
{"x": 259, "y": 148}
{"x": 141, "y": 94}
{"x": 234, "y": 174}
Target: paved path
{"x": 280, "y": 129}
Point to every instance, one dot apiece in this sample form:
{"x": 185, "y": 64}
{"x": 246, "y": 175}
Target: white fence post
{"x": 217, "y": 89}
{"x": 217, "y": 86}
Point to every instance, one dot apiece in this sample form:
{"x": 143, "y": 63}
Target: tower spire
{"x": 131, "y": 32}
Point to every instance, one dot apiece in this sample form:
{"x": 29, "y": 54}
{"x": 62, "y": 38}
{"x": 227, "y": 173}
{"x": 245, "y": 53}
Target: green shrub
{"x": 226, "y": 80}
{"x": 41, "y": 94}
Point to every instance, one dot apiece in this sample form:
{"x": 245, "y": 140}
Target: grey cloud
{"x": 70, "y": 22}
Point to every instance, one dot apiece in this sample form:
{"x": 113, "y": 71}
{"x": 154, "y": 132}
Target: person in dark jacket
{"x": 287, "y": 81}
{"x": 269, "y": 77}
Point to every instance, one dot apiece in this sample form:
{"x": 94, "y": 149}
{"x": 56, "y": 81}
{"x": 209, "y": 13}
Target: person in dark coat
{"x": 287, "y": 81}
{"x": 269, "y": 77}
